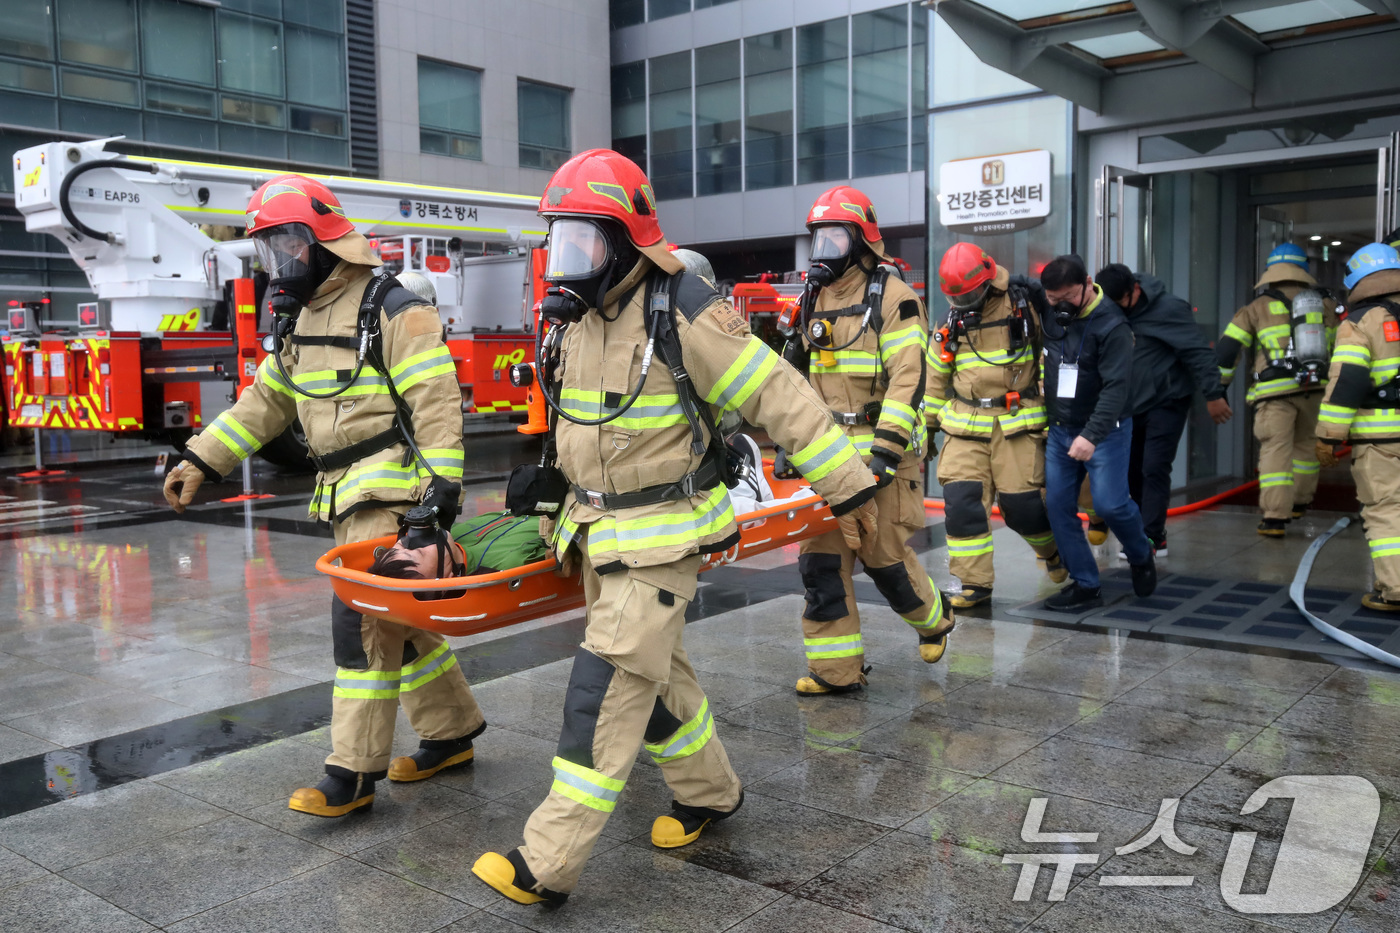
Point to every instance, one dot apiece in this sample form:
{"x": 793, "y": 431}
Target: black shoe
{"x": 1273, "y": 527}
{"x": 1298, "y": 511}
{"x": 1075, "y": 598}
{"x": 1145, "y": 578}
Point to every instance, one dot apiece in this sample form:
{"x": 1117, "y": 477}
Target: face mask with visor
{"x": 579, "y": 266}
{"x": 833, "y": 250}
{"x": 296, "y": 265}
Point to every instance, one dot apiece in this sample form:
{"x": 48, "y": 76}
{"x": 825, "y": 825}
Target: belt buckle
{"x": 689, "y": 484}
{"x": 595, "y": 499}
{"x": 986, "y": 403}
{"x": 848, "y": 418}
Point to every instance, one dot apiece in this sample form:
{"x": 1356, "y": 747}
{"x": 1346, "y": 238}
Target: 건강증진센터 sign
{"x": 995, "y": 194}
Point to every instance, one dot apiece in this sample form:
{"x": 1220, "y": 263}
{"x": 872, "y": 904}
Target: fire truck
{"x": 179, "y": 316}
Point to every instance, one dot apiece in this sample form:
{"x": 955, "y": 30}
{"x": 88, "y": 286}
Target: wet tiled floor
{"x": 170, "y": 678}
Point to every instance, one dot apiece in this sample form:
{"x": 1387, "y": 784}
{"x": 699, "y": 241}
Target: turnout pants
{"x": 1376, "y": 469}
{"x": 1286, "y": 428}
{"x": 381, "y": 664}
{"x": 830, "y": 621}
{"x": 973, "y": 473}
{"x": 631, "y": 685}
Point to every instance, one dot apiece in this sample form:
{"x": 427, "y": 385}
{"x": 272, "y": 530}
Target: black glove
{"x": 883, "y": 464}
{"x": 445, "y": 497}
{"x": 782, "y": 466}
{"x": 932, "y": 451}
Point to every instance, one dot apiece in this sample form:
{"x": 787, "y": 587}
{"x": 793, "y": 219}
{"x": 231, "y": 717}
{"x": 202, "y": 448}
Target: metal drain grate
{"x": 1238, "y": 611}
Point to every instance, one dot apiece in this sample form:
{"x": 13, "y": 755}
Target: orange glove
{"x": 860, "y": 521}
{"x": 181, "y": 484}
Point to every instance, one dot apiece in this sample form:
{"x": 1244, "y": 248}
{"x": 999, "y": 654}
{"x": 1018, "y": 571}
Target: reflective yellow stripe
{"x": 1235, "y": 332}
{"x": 427, "y": 668}
{"x": 1336, "y": 414}
{"x": 1306, "y": 466}
{"x": 1277, "y": 307}
{"x": 367, "y": 382}
{"x": 421, "y": 367}
{"x": 640, "y": 534}
{"x": 688, "y": 739}
{"x": 1384, "y": 547}
{"x": 970, "y": 547}
{"x": 270, "y": 377}
{"x": 1352, "y": 353}
{"x": 935, "y": 611}
{"x": 898, "y": 414}
{"x": 818, "y": 459}
{"x": 366, "y": 685}
{"x": 1275, "y": 479}
{"x": 1383, "y": 422}
{"x": 840, "y": 646}
{"x": 649, "y": 411}
{"x": 584, "y": 785}
{"x": 859, "y": 362}
{"x": 890, "y": 344}
{"x": 744, "y": 376}
{"x": 444, "y": 460}
{"x": 1270, "y": 388}
{"x": 238, "y": 439}
{"x": 969, "y": 358}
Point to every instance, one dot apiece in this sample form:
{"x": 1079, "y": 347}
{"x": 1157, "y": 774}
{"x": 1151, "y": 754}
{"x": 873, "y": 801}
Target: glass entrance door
{"x": 1123, "y": 219}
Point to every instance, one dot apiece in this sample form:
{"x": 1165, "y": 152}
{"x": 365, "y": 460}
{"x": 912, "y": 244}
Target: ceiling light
{"x": 1315, "y": 237}
{"x": 1336, "y": 242}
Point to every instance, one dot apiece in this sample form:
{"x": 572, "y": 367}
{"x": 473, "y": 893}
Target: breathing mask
{"x": 586, "y": 257}
{"x": 833, "y": 251}
{"x": 419, "y": 528}
{"x": 1066, "y": 311}
{"x": 296, "y": 265}
{"x": 967, "y": 307}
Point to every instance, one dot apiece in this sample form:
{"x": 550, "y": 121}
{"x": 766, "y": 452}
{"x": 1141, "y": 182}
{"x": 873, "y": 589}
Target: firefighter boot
{"x": 433, "y": 755}
{"x": 509, "y": 875}
{"x": 1098, "y": 532}
{"x": 1273, "y": 527}
{"x": 1055, "y": 568}
{"x": 970, "y": 596}
{"x": 931, "y": 647}
{"x": 812, "y": 685}
{"x": 1379, "y": 603}
{"x": 684, "y": 826}
{"x": 339, "y": 792}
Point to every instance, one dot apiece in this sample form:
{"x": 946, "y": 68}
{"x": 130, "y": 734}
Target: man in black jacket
{"x": 1088, "y": 376}
{"x": 1171, "y": 361}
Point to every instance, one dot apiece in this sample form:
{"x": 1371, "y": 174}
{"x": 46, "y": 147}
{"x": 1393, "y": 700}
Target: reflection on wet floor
{"x": 163, "y": 685}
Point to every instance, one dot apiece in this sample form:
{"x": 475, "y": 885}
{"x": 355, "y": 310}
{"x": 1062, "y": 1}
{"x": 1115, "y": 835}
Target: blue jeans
{"x": 1108, "y": 477}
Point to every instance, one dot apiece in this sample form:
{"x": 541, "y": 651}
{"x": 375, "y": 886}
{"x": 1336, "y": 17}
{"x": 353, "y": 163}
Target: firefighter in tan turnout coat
{"x": 643, "y": 500}
{"x": 321, "y": 286}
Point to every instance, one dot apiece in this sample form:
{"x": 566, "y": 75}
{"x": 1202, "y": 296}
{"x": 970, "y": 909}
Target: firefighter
{"x": 1362, "y": 405}
{"x": 863, "y": 340}
{"x": 362, "y": 404}
{"x": 984, "y": 392}
{"x": 644, "y": 500}
{"x": 1290, "y": 327}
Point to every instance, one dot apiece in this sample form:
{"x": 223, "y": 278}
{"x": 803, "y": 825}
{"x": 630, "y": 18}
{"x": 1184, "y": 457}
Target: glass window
{"x": 626, "y": 13}
{"x": 99, "y": 119}
{"x": 543, "y": 113}
{"x": 670, "y": 126}
{"x": 250, "y": 55}
{"x": 768, "y": 109}
{"x": 268, "y": 8}
{"x": 253, "y": 140}
{"x": 109, "y": 88}
{"x": 98, "y": 32}
{"x": 317, "y": 121}
{"x": 259, "y": 112}
{"x": 918, "y": 80}
{"x": 177, "y": 41}
{"x": 1292, "y": 15}
{"x": 702, "y": 4}
{"x": 449, "y": 110}
{"x": 958, "y": 75}
{"x": 1277, "y": 134}
{"x": 317, "y": 149}
{"x": 629, "y": 111}
{"x": 717, "y": 119}
{"x": 26, "y": 77}
{"x": 315, "y": 68}
{"x": 879, "y": 92}
{"x": 28, "y": 29}
{"x": 179, "y": 131}
{"x": 182, "y": 100}
{"x": 26, "y": 110}
{"x": 660, "y": 9}
{"x": 323, "y": 14}
{"x": 822, "y": 110}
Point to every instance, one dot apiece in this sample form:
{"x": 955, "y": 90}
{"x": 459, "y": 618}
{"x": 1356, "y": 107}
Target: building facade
{"x": 744, "y": 111}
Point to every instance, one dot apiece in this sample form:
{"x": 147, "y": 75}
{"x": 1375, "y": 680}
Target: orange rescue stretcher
{"x": 494, "y": 600}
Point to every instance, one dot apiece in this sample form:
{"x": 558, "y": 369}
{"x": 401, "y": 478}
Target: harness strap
{"x": 706, "y": 477}
{"x": 348, "y": 455}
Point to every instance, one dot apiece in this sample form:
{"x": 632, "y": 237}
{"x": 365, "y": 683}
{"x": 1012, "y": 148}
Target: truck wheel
{"x": 288, "y": 451}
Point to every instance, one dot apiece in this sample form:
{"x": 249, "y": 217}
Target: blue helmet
{"x": 1371, "y": 258}
{"x": 1287, "y": 252}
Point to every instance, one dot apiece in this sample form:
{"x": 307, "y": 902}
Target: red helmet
{"x": 845, "y": 205}
{"x": 603, "y": 183}
{"x": 964, "y": 268}
{"x": 296, "y": 199}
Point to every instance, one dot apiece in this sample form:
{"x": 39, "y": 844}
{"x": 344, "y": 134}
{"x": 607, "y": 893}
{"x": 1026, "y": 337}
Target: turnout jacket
{"x": 1171, "y": 358}
{"x": 985, "y": 368}
{"x": 423, "y": 373}
{"x": 1262, "y": 326}
{"x": 650, "y": 445}
{"x": 1100, "y": 342}
{"x": 1367, "y": 356}
{"x": 885, "y": 367}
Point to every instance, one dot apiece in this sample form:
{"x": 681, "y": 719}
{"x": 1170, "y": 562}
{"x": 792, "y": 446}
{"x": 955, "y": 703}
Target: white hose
{"x": 1300, "y": 582}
